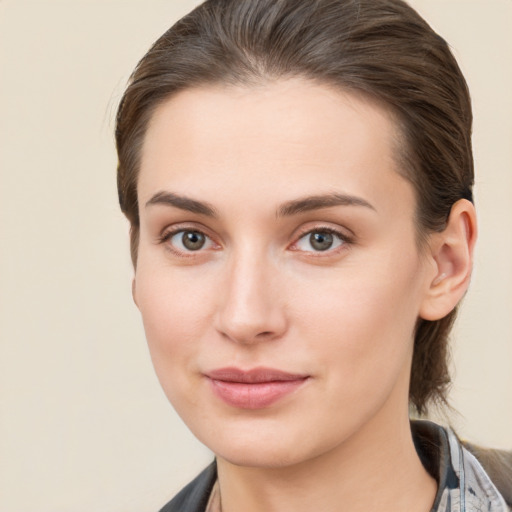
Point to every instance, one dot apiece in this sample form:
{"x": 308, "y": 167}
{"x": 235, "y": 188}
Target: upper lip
{"x": 254, "y": 375}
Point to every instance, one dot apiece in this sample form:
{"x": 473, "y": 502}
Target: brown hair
{"x": 381, "y": 48}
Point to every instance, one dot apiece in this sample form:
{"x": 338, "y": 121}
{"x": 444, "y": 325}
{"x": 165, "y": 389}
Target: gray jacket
{"x": 463, "y": 484}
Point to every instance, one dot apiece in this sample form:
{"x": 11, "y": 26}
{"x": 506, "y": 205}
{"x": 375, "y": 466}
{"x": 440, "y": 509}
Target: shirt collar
{"x": 463, "y": 485}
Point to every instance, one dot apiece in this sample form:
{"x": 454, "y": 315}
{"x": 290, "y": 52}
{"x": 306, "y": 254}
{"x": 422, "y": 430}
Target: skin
{"x": 258, "y": 294}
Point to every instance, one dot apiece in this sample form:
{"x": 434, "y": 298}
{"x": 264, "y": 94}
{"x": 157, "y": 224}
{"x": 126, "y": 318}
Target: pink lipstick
{"x": 253, "y": 389}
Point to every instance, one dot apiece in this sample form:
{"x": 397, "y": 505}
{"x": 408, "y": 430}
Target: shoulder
{"x": 498, "y": 465}
{"x": 194, "y": 497}
{"x": 478, "y": 479}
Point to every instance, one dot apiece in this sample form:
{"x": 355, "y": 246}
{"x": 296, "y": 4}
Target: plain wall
{"x": 83, "y": 423}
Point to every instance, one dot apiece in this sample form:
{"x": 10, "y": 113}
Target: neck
{"x": 376, "y": 469}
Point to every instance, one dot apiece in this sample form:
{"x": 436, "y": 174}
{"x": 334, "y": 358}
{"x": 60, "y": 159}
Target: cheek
{"x": 176, "y": 309}
{"x": 361, "y": 321}
{"x": 171, "y": 299}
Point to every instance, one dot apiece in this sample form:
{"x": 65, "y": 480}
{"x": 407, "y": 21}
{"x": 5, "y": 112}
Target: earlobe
{"x": 452, "y": 254}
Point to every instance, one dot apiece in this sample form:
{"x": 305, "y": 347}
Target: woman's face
{"x": 278, "y": 275}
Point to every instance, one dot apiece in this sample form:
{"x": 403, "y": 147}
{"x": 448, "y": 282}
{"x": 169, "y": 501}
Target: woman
{"x": 298, "y": 178}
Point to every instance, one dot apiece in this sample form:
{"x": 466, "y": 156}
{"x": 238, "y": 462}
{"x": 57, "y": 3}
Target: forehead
{"x": 283, "y": 138}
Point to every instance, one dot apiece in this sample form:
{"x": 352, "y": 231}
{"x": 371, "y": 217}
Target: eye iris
{"x": 193, "y": 240}
{"x": 321, "y": 241}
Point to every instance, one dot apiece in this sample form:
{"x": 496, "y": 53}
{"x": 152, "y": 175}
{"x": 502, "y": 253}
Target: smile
{"x": 254, "y": 389}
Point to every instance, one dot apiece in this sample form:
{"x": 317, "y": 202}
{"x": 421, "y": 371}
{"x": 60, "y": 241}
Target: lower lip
{"x": 254, "y": 395}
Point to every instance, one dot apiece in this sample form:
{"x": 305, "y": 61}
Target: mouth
{"x": 253, "y": 389}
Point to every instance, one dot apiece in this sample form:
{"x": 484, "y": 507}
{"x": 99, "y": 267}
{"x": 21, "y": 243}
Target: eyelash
{"x": 344, "y": 241}
{"x": 166, "y": 236}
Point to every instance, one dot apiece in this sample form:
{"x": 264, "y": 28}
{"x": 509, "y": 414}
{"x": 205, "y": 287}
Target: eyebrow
{"x": 287, "y": 209}
{"x": 318, "y": 202}
{"x": 183, "y": 203}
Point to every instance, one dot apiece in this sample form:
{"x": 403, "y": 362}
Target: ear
{"x": 134, "y": 292}
{"x": 452, "y": 255}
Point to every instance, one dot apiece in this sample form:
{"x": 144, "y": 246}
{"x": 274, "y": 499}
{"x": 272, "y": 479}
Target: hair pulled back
{"x": 380, "y": 48}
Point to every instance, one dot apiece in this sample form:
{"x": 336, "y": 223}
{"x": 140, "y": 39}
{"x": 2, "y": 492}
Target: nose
{"x": 252, "y": 303}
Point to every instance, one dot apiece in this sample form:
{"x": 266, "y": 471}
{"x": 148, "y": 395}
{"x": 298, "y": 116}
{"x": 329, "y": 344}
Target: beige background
{"x": 84, "y": 425}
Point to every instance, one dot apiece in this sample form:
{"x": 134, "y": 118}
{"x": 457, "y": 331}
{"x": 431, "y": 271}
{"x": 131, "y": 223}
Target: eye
{"x": 320, "y": 240}
{"x": 188, "y": 240}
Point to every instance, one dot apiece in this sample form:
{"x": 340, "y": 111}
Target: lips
{"x": 253, "y": 389}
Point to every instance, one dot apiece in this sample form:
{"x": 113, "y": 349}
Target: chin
{"x": 269, "y": 444}
{"x": 252, "y": 442}
{"x": 268, "y": 457}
